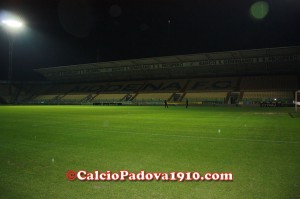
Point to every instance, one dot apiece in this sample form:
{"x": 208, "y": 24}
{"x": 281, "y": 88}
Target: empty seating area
{"x": 175, "y": 85}
{"x": 123, "y": 87}
{"x": 108, "y": 97}
{"x": 214, "y": 90}
{"x": 206, "y": 97}
{"x": 257, "y": 97}
{"x": 212, "y": 84}
{"x": 59, "y": 88}
{"x": 271, "y": 94}
{"x": 152, "y": 97}
{"x": 46, "y": 97}
{"x": 73, "y": 97}
{"x": 269, "y": 83}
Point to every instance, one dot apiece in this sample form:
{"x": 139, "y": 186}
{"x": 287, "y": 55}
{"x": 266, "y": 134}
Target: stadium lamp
{"x": 12, "y": 23}
{"x": 12, "y": 26}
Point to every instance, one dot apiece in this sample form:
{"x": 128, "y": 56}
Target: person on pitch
{"x": 166, "y": 104}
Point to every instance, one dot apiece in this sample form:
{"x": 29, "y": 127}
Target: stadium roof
{"x": 283, "y": 60}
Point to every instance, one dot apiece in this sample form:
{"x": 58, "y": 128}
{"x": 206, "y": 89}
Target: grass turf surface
{"x": 260, "y": 146}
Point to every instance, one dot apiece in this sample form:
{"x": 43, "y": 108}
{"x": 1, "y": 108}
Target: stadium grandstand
{"x": 265, "y": 77}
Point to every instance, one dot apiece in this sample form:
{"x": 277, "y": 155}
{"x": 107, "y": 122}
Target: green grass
{"x": 260, "y": 146}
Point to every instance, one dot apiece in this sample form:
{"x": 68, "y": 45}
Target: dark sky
{"x": 64, "y": 32}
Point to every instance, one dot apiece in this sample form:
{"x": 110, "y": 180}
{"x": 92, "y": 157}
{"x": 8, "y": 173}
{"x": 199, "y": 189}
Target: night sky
{"x": 68, "y": 32}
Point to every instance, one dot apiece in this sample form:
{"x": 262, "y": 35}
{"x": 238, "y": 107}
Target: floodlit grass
{"x": 260, "y": 146}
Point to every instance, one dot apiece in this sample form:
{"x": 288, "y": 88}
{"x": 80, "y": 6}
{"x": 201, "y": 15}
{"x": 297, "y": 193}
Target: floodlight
{"x": 12, "y": 23}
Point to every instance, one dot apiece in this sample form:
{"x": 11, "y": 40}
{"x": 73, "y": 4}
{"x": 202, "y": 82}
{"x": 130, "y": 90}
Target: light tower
{"x": 12, "y": 26}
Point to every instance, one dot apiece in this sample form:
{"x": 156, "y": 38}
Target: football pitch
{"x": 39, "y": 144}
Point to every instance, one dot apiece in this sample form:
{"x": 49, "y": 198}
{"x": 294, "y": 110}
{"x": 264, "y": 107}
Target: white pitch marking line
{"x": 214, "y": 138}
{"x": 190, "y": 136}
